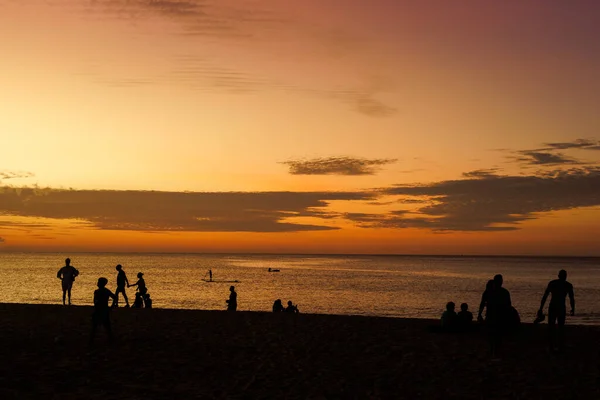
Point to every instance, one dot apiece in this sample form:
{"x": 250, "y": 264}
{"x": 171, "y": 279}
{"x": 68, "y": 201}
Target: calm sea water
{"x": 396, "y": 286}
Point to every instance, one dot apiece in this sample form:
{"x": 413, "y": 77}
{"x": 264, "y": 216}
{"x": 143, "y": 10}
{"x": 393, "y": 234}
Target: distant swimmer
{"x": 557, "y": 310}
{"x": 67, "y": 275}
{"x": 232, "y": 302}
{"x": 101, "y": 314}
{"x": 121, "y": 282}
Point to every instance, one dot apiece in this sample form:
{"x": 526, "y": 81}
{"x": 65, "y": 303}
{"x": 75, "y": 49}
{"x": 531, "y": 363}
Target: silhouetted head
{"x": 498, "y": 280}
{"x": 464, "y": 307}
{"x": 102, "y": 282}
{"x": 139, "y": 275}
{"x": 450, "y": 306}
{"x": 118, "y": 267}
{"x": 489, "y": 285}
{"x": 290, "y": 303}
{"x": 67, "y": 261}
{"x": 231, "y": 288}
{"x": 562, "y": 275}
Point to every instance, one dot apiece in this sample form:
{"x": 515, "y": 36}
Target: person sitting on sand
{"x": 121, "y": 282}
{"x": 449, "y": 317}
{"x": 464, "y": 318}
{"x": 101, "y": 315}
{"x": 291, "y": 308}
{"x": 277, "y": 306}
{"x": 232, "y": 302}
{"x": 67, "y": 275}
{"x": 557, "y": 310}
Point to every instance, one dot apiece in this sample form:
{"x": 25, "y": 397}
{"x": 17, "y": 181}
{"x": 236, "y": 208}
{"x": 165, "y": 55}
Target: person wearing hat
{"x": 121, "y": 282}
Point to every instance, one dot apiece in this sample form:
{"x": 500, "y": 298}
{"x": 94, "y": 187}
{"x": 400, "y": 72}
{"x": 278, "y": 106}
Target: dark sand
{"x": 210, "y": 354}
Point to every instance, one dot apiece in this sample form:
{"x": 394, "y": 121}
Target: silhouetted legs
{"x": 122, "y": 291}
{"x": 556, "y": 337}
{"x": 66, "y": 290}
{"x": 101, "y": 318}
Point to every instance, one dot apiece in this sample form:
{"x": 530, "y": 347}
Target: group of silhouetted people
{"x": 291, "y": 308}
{"x": 453, "y": 321}
{"x": 502, "y": 318}
{"x": 102, "y": 295}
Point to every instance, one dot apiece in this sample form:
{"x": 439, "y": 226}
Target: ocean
{"x": 390, "y": 286}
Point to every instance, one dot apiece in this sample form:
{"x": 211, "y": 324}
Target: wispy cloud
{"x": 584, "y": 144}
{"x": 543, "y": 158}
{"x": 336, "y": 166}
{"x": 178, "y": 211}
{"x": 5, "y": 175}
{"x": 493, "y": 202}
{"x": 259, "y": 25}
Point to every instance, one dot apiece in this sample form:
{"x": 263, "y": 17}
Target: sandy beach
{"x": 162, "y": 353}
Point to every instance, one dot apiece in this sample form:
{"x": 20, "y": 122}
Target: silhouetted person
{"x": 291, "y": 308}
{"x": 147, "y": 301}
{"x": 101, "y": 315}
{"x": 499, "y": 316}
{"x": 449, "y": 317}
{"x": 277, "y": 306}
{"x": 232, "y": 302}
{"x": 484, "y": 299}
{"x": 465, "y": 317}
{"x": 67, "y": 275}
{"x": 141, "y": 284}
{"x": 121, "y": 282}
{"x": 557, "y": 310}
{"x": 210, "y": 275}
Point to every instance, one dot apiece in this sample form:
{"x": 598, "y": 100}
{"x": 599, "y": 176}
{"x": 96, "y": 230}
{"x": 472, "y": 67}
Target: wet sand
{"x": 211, "y": 354}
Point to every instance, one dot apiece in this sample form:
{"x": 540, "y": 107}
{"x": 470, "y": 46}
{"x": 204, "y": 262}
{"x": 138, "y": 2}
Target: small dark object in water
{"x": 273, "y": 270}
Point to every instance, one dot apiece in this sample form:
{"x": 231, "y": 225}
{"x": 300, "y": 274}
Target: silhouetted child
{"x": 291, "y": 308}
{"x": 232, "y": 302}
{"x": 449, "y": 317}
{"x": 277, "y": 306}
{"x": 147, "y": 301}
{"x": 101, "y": 315}
{"x": 465, "y": 317}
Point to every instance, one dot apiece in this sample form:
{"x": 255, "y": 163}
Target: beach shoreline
{"x": 160, "y": 353}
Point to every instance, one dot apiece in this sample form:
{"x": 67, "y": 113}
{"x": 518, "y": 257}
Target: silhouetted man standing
{"x": 499, "y": 307}
{"x": 557, "y": 310}
{"x": 67, "y": 275}
{"x": 121, "y": 282}
{"x": 232, "y": 302}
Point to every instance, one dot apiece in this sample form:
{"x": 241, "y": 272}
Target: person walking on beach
{"x": 121, "y": 282}
{"x": 210, "y": 275}
{"x": 499, "y": 313}
{"x": 101, "y": 315}
{"x": 557, "y": 310}
{"x": 232, "y": 302}
{"x": 67, "y": 275}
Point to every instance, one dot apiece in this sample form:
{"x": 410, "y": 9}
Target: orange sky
{"x": 323, "y": 126}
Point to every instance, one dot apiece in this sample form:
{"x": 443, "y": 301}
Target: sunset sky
{"x": 312, "y": 126}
